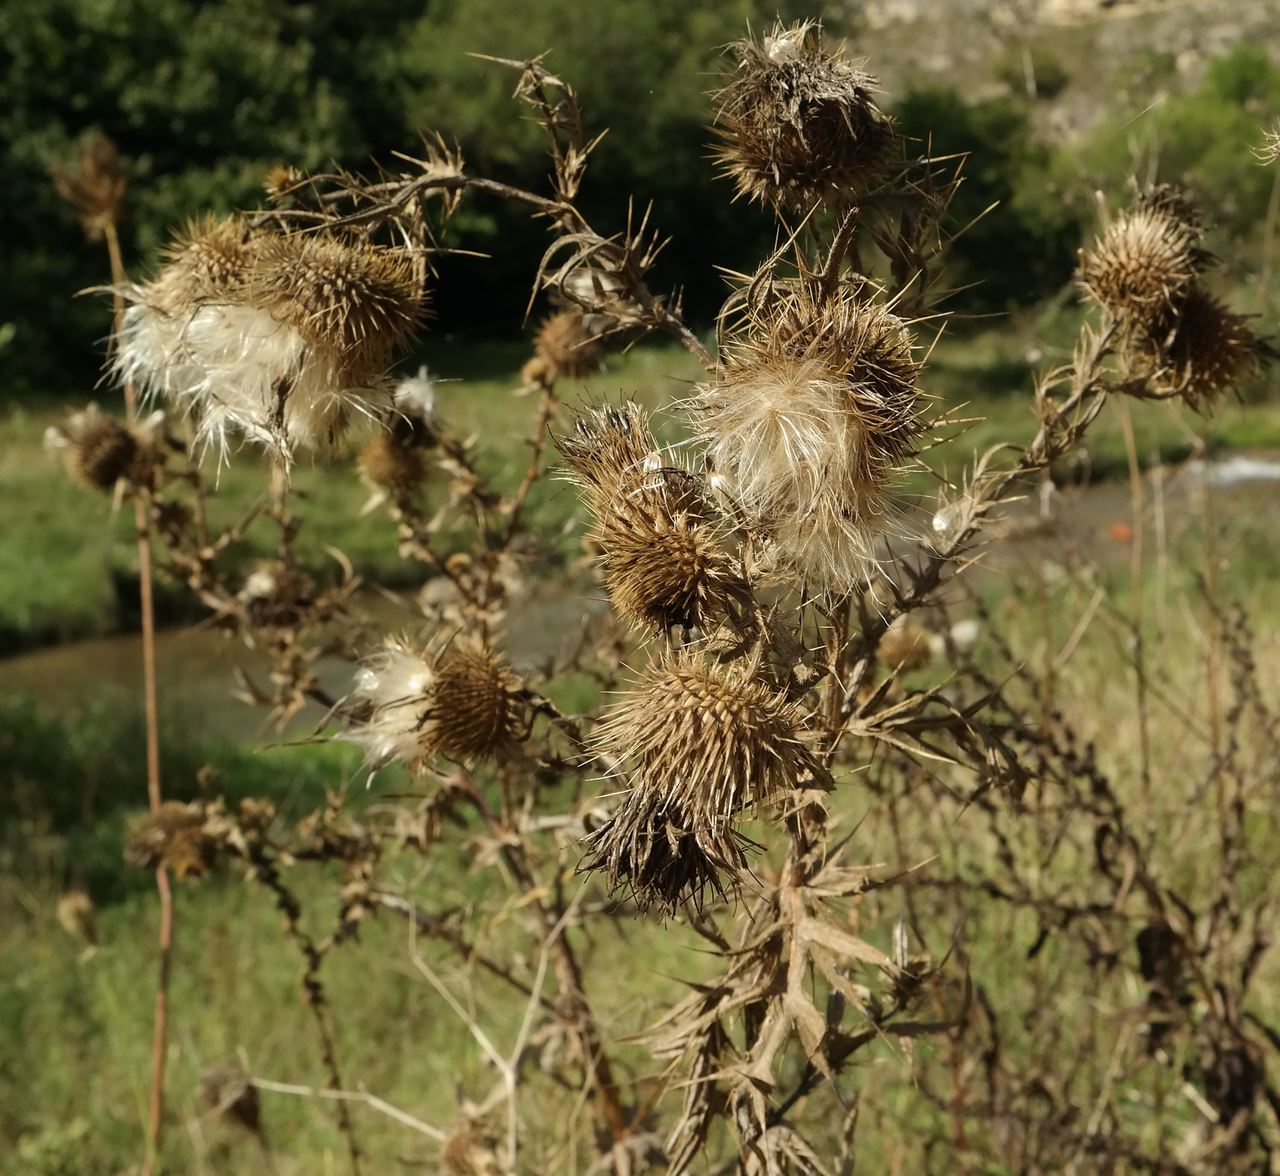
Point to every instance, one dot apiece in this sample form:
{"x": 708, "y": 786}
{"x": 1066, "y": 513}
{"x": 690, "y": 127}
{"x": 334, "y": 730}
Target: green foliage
{"x": 202, "y": 98}
{"x": 1203, "y": 140}
{"x": 75, "y": 778}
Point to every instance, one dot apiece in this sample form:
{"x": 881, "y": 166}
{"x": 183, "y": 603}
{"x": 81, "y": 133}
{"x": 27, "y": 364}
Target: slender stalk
{"x": 1135, "y": 597}
{"x": 151, "y": 710}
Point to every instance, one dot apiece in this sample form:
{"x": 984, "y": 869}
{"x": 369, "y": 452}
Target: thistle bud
{"x": 798, "y": 124}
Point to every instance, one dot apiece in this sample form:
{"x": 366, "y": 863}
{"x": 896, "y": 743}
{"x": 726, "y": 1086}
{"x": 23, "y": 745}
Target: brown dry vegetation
{"x": 810, "y": 851}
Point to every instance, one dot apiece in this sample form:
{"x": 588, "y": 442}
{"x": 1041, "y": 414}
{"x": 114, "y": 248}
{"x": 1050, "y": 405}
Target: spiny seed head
{"x": 173, "y": 836}
{"x": 608, "y": 446}
{"x": 662, "y": 858}
{"x": 206, "y": 261}
{"x": 709, "y": 741}
{"x": 662, "y": 563}
{"x": 393, "y": 465}
{"x": 567, "y": 347}
{"x": 1204, "y": 350}
{"x": 476, "y": 713}
{"x": 100, "y": 451}
{"x": 227, "y": 1092}
{"x": 812, "y": 411}
{"x": 94, "y": 185}
{"x": 1141, "y": 265}
{"x": 78, "y": 917}
{"x": 460, "y": 701}
{"x": 346, "y": 298}
{"x": 798, "y": 124}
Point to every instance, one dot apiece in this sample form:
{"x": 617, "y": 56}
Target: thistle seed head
{"x": 663, "y": 564}
{"x": 1204, "y": 350}
{"x": 654, "y": 529}
{"x": 566, "y": 347}
{"x": 707, "y": 741}
{"x": 391, "y": 465}
{"x": 209, "y": 260}
{"x": 1142, "y": 264}
{"x": 356, "y": 302}
{"x": 609, "y": 446}
{"x": 905, "y": 645}
{"x": 100, "y": 451}
{"x": 94, "y": 185}
{"x": 662, "y": 858}
{"x": 813, "y": 410}
{"x": 461, "y": 701}
{"x": 798, "y": 124}
{"x": 275, "y": 595}
{"x": 173, "y": 836}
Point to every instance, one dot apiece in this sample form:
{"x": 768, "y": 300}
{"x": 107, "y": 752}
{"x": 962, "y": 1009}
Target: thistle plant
{"x": 770, "y": 595}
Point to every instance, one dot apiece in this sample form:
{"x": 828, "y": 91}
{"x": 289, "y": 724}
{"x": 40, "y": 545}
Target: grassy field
{"x": 65, "y": 559}
{"x": 74, "y": 778}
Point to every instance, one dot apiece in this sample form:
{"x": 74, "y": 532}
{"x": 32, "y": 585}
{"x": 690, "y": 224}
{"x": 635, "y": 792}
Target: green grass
{"x": 66, "y": 561}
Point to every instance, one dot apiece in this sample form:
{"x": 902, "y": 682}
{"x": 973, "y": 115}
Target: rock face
{"x": 975, "y": 45}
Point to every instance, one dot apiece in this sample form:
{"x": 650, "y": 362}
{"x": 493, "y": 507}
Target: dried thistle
{"x": 78, "y": 917}
{"x": 608, "y": 447}
{"x": 663, "y": 857}
{"x": 798, "y": 124}
{"x": 714, "y": 740}
{"x": 1143, "y": 263}
{"x": 565, "y": 348}
{"x": 101, "y": 452}
{"x": 1203, "y": 350}
{"x": 812, "y": 411}
{"x": 655, "y": 531}
{"x": 460, "y": 701}
{"x": 391, "y": 467}
{"x": 281, "y": 339}
{"x": 173, "y": 835}
{"x": 275, "y": 594}
{"x": 228, "y": 1094}
{"x": 906, "y": 645}
{"x": 353, "y": 301}
{"x": 94, "y": 185}
{"x": 700, "y": 744}
{"x": 393, "y": 462}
